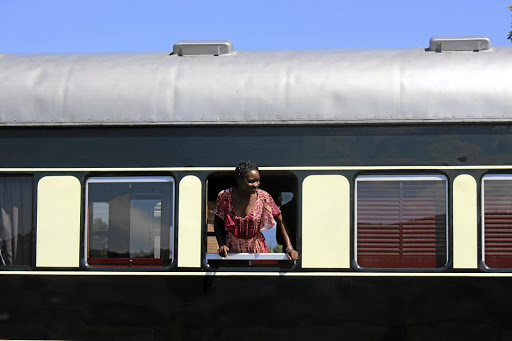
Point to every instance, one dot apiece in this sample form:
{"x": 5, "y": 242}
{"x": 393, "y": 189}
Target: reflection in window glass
{"x": 401, "y": 221}
{"x": 99, "y": 232}
{"x": 130, "y": 221}
{"x": 497, "y": 221}
{"x": 15, "y": 220}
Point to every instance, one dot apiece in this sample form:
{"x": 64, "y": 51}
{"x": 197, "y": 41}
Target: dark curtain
{"x": 15, "y": 220}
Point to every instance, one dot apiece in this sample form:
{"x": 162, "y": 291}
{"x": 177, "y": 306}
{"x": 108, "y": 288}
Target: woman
{"x": 242, "y": 212}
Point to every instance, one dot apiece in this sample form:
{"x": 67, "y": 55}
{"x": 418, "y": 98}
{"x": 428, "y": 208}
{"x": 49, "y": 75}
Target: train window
{"x": 129, "y": 221}
{"x": 497, "y": 221}
{"x": 401, "y": 221}
{"x": 15, "y": 220}
{"x": 282, "y": 186}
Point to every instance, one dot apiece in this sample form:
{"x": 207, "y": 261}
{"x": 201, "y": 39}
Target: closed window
{"x": 497, "y": 221}
{"x": 130, "y": 221}
{"x": 15, "y": 220}
{"x": 401, "y": 221}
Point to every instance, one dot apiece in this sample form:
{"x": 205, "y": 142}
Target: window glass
{"x": 282, "y": 186}
{"x": 130, "y": 221}
{"x": 15, "y": 220}
{"x": 401, "y": 221}
{"x": 497, "y": 221}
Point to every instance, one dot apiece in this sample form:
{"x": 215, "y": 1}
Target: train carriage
{"x": 393, "y": 169}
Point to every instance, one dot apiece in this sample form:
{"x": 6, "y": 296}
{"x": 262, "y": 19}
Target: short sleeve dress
{"x": 244, "y": 233}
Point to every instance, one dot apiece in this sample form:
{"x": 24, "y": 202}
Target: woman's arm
{"x": 220, "y": 234}
{"x": 290, "y": 252}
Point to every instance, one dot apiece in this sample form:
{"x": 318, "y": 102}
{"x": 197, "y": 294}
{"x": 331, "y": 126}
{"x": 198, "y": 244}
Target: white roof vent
{"x": 465, "y": 43}
{"x": 202, "y": 47}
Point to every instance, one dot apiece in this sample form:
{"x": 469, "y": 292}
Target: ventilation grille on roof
{"x": 468, "y": 43}
{"x": 202, "y": 47}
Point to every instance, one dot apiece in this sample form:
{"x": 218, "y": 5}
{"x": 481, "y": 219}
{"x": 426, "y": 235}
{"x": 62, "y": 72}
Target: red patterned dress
{"x": 244, "y": 233}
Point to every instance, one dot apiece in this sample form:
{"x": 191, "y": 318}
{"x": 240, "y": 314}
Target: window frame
{"x": 490, "y": 177}
{"x": 270, "y": 260}
{"x": 403, "y": 177}
{"x": 172, "y": 222}
{"x": 33, "y": 225}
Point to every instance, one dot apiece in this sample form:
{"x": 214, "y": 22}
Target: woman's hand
{"x": 292, "y": 254}
{"x": 223, "y": 251}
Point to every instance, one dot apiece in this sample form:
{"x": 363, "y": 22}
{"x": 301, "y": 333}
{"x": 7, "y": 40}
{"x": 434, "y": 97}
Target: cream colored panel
{"x": 58, "y": 222}
{"x": 465, "y": 252}
{"x": 189, "y": 230}
{"x": 326, "y": 222}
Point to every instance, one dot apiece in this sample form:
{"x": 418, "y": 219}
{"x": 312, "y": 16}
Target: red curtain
{"x": 401, "y": 224}
{"x": 498, "y": 223}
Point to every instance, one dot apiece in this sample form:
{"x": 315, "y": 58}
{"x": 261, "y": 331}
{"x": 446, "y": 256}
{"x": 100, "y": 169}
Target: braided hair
{"x": 244, "y": 167}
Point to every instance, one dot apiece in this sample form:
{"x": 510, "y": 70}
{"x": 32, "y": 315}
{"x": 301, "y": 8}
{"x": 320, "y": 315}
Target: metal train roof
{"x": 257, "y": 87}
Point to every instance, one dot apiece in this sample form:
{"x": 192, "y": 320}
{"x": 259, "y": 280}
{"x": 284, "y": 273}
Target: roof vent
{"x": 202, "y": 47}
{"x": 466, "y": 43}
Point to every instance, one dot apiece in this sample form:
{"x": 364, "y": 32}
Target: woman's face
{"x": 249, "y": 182}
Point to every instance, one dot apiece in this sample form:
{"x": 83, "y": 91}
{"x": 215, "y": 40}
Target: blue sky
{"x": 120, "y": 26}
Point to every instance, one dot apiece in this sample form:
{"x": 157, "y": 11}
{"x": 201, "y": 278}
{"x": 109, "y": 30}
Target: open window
{"x": 129, "y": 221}
{"x": 497, "y": 221}
{"x": 401, "y": 221}
{"x": 282, "y": 186}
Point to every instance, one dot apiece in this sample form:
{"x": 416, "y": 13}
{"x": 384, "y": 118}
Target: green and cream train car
{"x": 393, "y": 169}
